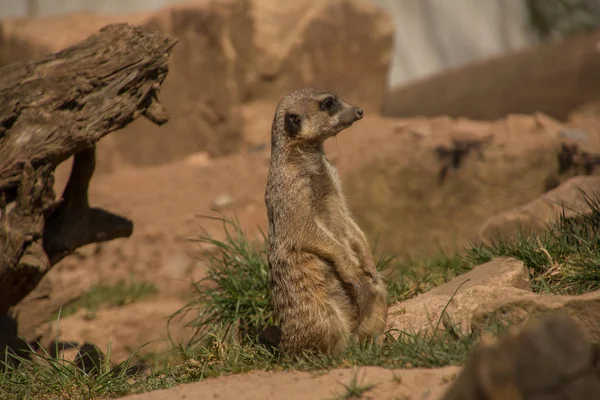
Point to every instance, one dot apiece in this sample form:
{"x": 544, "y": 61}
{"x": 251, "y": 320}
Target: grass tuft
{"x": 564, "y": 259}
{"x": 354, "y": 389}
{"x": 232, "y": 300}
{"x": 40, "y": 376}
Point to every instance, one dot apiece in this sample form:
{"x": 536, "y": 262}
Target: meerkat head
{"x": 311, "y": 116}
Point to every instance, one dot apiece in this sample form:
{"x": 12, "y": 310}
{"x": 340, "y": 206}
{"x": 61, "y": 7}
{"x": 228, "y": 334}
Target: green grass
{"x": 565, "y": 259}
{"x": 231, "y": 305}
{"x": 109, "y": 295}
{"x": 354, "y": 389}
{"x": 43, "y": 377}
{"x": 409, "y": 277}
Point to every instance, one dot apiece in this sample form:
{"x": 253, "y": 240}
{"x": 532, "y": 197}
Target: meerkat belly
{"x": 305, "y": 284}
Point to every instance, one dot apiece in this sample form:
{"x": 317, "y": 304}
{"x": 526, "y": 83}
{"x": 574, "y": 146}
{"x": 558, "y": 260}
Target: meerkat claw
{"x": 374, "y": 277}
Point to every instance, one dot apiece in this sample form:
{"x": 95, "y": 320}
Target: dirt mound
{"x": 554, "y": 78}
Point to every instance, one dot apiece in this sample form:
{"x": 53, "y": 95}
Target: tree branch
{"x": 55, "y": 108}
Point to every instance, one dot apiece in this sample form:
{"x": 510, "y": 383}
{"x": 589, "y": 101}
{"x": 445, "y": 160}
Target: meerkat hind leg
{"x": 373, "y": 316}
{"x": 329, "y": 334}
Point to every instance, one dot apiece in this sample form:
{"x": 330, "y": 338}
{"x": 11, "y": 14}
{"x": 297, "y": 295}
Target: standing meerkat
{"x": 325, "y": 286}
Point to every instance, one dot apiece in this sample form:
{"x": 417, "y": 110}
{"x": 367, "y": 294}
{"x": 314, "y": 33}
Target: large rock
{"x": 568, "y": 199}
{"x": 208, "y": 77}
{"x": 425, "y": 183}
{"x": 340, "y": 45}
{"x": 516, "y": 311}
{"x": 550, "y": 359}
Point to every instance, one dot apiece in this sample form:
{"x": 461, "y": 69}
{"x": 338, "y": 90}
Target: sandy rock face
{"x": 429, "y": 182}
{"x": 205, "y": 85}
{"x": 535, "y": 215}
{"x": 340, "y": 45}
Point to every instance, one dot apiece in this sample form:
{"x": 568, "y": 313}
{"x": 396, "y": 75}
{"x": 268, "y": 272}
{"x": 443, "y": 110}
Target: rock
{"x": 550, "y": 359}
{"x": 209, "y": 74}
{"x": 430, "y": 183}
{"x": 487, "y": 284}
{"x": 222, "y": 201}
{"x": 535, "y": 216}
{"x": 496, "y": 292}
{"x": 325, "y": 44}
{"x": 500, "y": 272}
{"x": 584, "y": 309}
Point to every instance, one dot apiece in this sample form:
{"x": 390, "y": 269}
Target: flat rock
{"x": 488, "y": 284}
{"x": 494, "y": 292}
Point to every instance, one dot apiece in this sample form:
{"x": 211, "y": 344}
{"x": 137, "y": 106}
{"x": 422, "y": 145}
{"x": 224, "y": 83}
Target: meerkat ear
{"x": 293, "y": 123}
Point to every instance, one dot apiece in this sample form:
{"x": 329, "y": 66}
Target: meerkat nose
{"x": 359, "y": 112}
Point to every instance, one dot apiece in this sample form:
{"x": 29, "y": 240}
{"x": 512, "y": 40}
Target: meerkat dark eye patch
{"x": 330, "y": 104}
{"x": 293, "y": 123}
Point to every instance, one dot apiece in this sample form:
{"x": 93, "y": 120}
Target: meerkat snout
{"x": 359, "y": 113}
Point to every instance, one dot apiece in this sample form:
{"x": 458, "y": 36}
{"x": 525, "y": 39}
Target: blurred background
{"x": 430, "y": 35}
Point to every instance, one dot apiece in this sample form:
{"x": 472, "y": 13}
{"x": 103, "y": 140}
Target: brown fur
{"x": 325, "y": 288}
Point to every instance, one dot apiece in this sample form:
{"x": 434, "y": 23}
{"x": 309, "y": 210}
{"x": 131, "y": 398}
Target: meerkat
{"x": 325, "y": 287}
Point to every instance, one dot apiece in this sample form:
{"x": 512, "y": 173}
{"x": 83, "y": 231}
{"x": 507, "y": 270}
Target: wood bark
{"x": 54, "y": 108}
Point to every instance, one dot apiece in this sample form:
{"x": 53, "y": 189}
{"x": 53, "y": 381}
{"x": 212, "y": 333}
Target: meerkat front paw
{"x": 371, "y": 271}
{"x": 374, "y": 276}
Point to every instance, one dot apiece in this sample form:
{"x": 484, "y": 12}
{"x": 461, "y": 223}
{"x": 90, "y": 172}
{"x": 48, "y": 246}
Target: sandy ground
{"x": 389, "y": 384}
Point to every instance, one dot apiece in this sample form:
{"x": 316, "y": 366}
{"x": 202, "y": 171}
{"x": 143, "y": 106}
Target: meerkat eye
{"x": 328, "y": 104}
{"x": 293, "y": 123}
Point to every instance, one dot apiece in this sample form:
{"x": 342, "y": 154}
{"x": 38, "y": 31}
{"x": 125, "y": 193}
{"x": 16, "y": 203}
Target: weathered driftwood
{"x": 55, "y": 108}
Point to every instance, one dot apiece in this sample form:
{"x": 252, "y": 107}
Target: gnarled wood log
{"x": 55, "y": 108}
